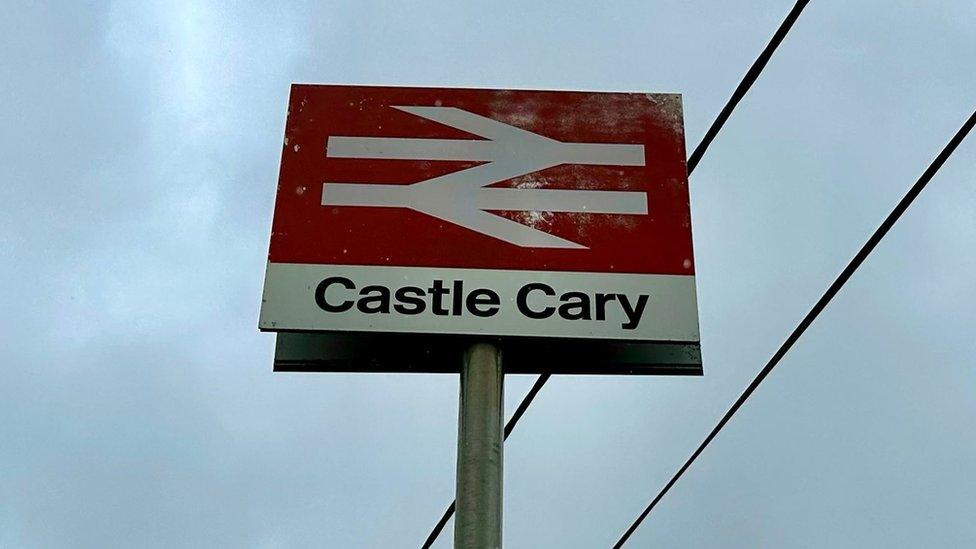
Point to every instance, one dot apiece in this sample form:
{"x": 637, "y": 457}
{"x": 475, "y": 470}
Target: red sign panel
{"x": 470, "y": 184}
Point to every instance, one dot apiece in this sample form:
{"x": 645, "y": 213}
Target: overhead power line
{"x": 740, "y": 91}
{"x": 536, "y": 387}
{"x": 821, "y": 304}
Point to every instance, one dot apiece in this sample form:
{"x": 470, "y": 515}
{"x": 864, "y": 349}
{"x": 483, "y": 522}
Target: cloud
{"x": 140, "y": 149}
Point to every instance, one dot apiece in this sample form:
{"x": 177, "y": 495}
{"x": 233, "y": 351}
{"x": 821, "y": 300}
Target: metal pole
{"x": 478, "y": 523}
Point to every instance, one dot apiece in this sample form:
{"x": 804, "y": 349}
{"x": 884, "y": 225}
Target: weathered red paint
{"x": 304, "y": 231}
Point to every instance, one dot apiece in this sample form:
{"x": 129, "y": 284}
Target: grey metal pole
{"x": 478, "y": 522}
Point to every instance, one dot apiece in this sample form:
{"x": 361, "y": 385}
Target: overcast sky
{"x": 139, "y": 148}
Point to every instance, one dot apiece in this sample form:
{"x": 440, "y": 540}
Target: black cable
{"x": 524, "y": 405}
{"x": 751, "y": 75}
{"x": 821, "y": 304}
{"x": 740, "y": 91}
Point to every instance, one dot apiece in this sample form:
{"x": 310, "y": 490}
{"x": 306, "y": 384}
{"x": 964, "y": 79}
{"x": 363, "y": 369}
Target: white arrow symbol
{"x": 461, "y": 197}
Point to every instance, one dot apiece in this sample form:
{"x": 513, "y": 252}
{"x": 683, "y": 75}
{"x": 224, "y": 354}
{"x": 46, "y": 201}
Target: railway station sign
{"x": 524, "y": 214}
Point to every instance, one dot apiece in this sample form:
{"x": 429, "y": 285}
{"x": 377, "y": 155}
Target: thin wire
{"x": 821, "y": 304}
{"x": 751, "y": 75}
{"x": 740, "y": 91}
{"x": 524, "y": 405}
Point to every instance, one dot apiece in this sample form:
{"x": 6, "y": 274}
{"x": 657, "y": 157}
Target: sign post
{"x": 413, "y": 226}
{"x": 478, "y": 519}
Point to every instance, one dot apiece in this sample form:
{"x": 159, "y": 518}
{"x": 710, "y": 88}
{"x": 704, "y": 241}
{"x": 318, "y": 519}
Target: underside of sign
{"x": 398, "y": 353}
{"x": 489, "y": 213}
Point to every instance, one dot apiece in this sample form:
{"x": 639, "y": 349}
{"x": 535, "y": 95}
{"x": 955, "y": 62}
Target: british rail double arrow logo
{"x": 462, "y": 197}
